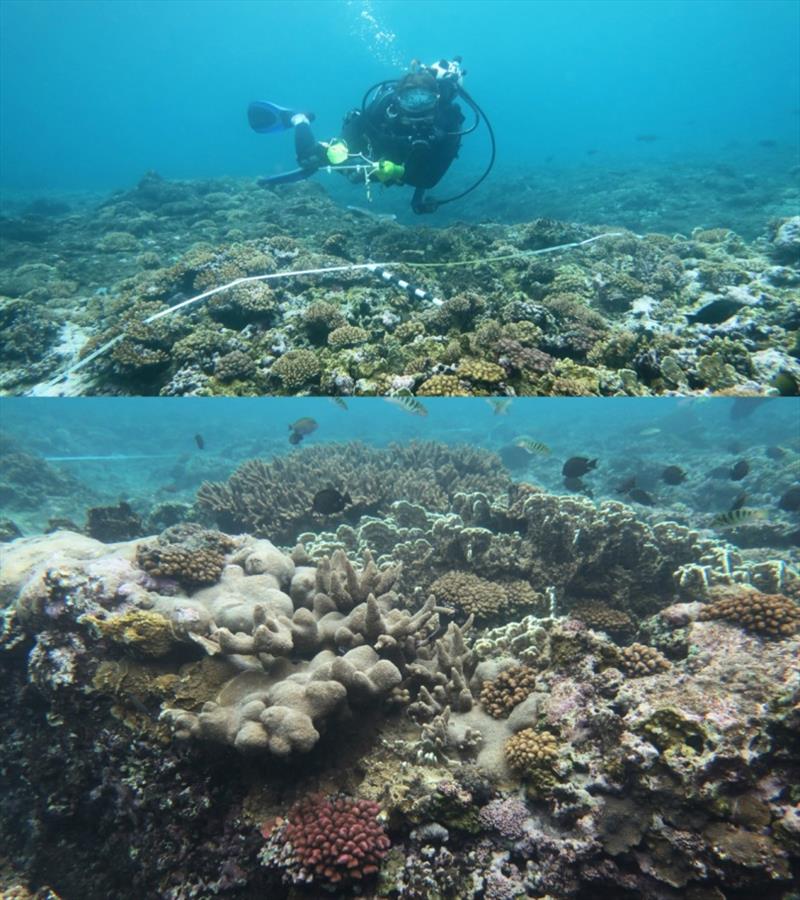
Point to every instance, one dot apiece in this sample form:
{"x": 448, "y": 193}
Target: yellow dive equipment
{"x": 388, "y": 172}
{"x": 337, "y": 152}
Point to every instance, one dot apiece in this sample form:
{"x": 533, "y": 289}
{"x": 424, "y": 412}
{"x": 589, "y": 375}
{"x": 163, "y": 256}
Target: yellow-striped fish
{"x": 499, "y": 405}
{"x": 339, "y": 401}
{"x": 532, "y": 445}
{"x": 409, "y": 403}
{"x": 736, "y": 517}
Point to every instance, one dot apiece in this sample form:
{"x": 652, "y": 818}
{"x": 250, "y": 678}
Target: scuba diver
{"x": 407, "y": 132}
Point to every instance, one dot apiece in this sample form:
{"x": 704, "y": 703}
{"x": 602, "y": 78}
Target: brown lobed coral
{"x": 470, "y": 594}
{"x": 531, "y": 752}
{"x": 770, "y": 614}
{"x": 639, "y": 660}
{"x": 511, "y": 687}
{"x": 603, "y": 618}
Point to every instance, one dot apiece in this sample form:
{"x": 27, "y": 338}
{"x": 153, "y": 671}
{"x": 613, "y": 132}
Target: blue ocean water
{"x": 93, "y": 94}
{"x": 141, "y": 447}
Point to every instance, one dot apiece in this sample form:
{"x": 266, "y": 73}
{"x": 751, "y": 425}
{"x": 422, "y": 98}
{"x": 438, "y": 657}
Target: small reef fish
{"x": 339, "y": 401}
{"x": 737, "y": 517}
{"x": 531, "y": 445}
{"x": 642, "y": 497}
{"x": 499, "y": 405}
{"x": 576, "y": 466}
{"x": 409, "y": 403}
{"x": 627, "y": 485}
{"x": 649, "y": 432}
{"x": 575, "y": 485}
{"x": 302, "y": 428}
{"x": 790, "y": 501}
{"x": 740, "y": 470}
{"x": 198, "y": 439}
{"x": 673, "y": 475}
{"x": 329, "y": 501}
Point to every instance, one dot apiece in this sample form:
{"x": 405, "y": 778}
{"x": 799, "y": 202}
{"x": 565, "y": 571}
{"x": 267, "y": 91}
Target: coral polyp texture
{"x": 659, "y": 308}
{"x": 328, "y": 842}
{"x": 335, "y": 714}
{"x": 769, "y": 614}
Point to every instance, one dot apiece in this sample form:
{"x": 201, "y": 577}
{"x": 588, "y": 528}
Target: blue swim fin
{"x": 265, "y": 117}
{"x": 286, "y": 177}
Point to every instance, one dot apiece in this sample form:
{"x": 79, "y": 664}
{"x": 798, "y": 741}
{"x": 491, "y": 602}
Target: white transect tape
{"x": 378, "y": 268}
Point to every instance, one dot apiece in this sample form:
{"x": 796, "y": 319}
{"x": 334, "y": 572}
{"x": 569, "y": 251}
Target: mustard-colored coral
{"x": 443, "y": 386}
{"x": 142, "y": 630}
{"x": 480, "y": 370}
{"x": 532, "y": 754}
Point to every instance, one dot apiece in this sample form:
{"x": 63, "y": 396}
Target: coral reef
{"x": 639, "y": 660}
{"x": 663, "y": 307}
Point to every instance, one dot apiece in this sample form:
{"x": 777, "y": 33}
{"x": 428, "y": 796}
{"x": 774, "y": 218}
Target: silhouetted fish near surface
{"x": 198, "y": 439}
{"x": 673, "y": 475}
{"x": 302, "y": 428}
{"x": 745, "y": 406}
{"x": 740, "y": 470}
{"x": 409, "y": 403}
{"x": 576, "y": 466}
{"x": 329, "y": 501}
{"x": 499, "y": 405}
{"x": 339, "y": 401}
{"x": 640, "y": 496}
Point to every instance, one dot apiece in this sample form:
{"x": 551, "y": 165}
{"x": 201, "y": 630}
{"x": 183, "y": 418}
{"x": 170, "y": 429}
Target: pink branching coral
{"x": 328, "y": 841}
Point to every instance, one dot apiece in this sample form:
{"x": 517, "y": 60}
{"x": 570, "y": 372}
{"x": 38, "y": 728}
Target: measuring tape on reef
{"x": 379, "y": 269}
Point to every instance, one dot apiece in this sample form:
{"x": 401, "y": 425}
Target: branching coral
{"x": 276, "y": 498}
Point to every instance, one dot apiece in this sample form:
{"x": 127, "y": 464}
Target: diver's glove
{"x": 424, "y": 205}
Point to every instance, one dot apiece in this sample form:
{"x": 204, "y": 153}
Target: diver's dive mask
{"x": 416, "y": 96}
{"x": 417, "y": 101}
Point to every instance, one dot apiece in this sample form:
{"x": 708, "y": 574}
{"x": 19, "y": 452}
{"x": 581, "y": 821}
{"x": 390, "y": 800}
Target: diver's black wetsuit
{"x": 426, "y": 147}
